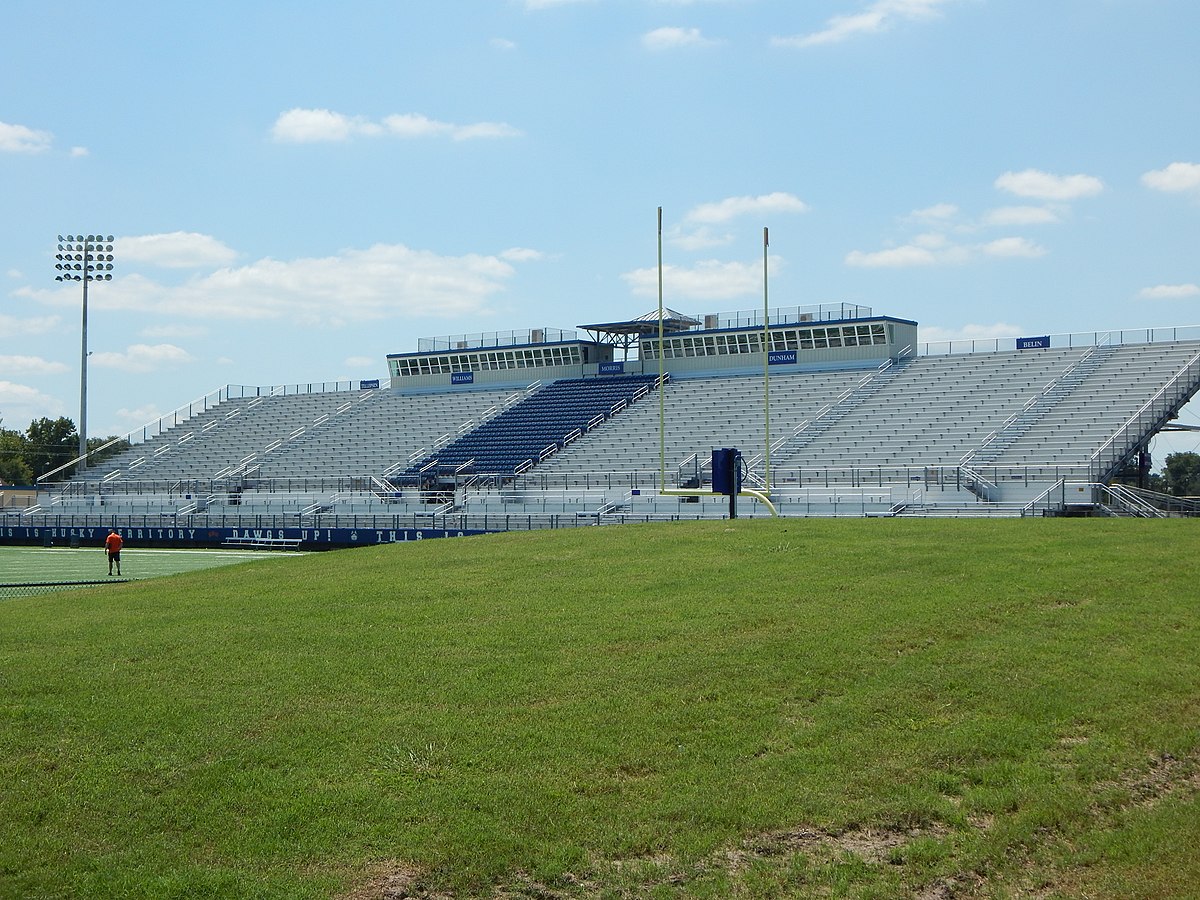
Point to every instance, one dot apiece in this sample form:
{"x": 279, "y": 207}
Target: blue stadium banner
{"x": 781, "y": 357}
{"x": 1034, "y": 343}
{"x": 612, "y": 368}
{"x": 462, "y": 377}
{"x": 244, "y": 538}
{"x": 368, "y": 384}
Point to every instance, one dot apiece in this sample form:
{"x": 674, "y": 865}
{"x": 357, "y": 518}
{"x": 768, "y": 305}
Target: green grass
{"x": 857, "y": 708}
{"x": 46, "y": 564}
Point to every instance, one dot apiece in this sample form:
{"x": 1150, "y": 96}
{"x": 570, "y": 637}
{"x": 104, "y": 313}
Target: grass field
{"x": 786, "y": 708}
{"x": 50, "y": 564}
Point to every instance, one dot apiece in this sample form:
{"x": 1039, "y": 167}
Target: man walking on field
{"x": 112, "y": 546}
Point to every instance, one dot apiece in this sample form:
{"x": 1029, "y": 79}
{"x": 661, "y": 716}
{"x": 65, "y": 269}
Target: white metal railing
{"x": 1045, "y": 392}
{"x": 1064, "y": 341}
{"x": 1129, "y": 501}
{"x": 755, "y": 460}
{"x": 1107, "y": 456}
{"x": 183, "y": 413}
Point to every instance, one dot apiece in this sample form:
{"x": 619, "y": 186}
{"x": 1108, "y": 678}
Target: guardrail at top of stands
{"x": 1071, "y": 340}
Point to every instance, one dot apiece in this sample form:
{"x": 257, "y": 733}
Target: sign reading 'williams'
{"x": 462, "y": 377}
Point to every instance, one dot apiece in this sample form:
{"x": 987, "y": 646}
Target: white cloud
{"x": 360, "y": 362}
{"x": 522, "y": 254}
{"x": 1009, "y": 216}
{"x": 20, "y": 404}
{"x": 702, "y": 238}
{"x": 732, "y": 207}
{"x": 1013, "y": 248}
{"x": 414, "y": 125}
{"x": 708, "y": 280}
{"x": 1044, "y": 186}
{"x": 892, "y": 258}
{"x": 879, "y": 16}
{"x": 938, "y": 334}
{"x": 670, "y": 38}
{"x": 1175, "y": 178}
{"x": 176, "y": 250}
{"x": 381, "y": 282}
{"x": 11, "y": 326}
{"x": 79, "y": 151}
{"x": 934, "y": 249}
{"x": 299, "y": 126}
{"x": 24, "y": 366}
{"x": 21, "y": 139}
{"x": 1169, "y": 292}
{"x": 143, "y": 358}
{"x": 939, "y": 212}
{"x": 503, "y": 43}
{"x": 306, "y": 126}
{"x": 484, "y": 130}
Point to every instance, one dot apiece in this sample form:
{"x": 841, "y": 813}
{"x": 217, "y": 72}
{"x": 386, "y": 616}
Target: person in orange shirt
{"x": 112, "y": 546}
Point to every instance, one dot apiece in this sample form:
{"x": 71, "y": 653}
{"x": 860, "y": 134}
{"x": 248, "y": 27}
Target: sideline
{"x": 242, "y": 554}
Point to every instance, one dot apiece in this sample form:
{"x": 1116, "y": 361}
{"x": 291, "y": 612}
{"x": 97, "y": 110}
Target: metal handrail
{"x": 1137, "y": 416}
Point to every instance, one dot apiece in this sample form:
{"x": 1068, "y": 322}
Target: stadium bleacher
{"x": 884, "y": 431}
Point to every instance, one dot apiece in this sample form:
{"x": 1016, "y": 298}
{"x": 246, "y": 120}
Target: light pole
{"x": 84, "y": 258}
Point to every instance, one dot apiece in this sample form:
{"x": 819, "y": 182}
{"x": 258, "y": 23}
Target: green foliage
{"x": 1181, "y": 474}
{"x": 49, "y": 443}
{"x": 860, "y": 708}
{"x": 46, "y": 445}
{"x": 13, "y": 467}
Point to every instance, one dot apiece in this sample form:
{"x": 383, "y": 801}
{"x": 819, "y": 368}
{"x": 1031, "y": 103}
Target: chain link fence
{"x": 14, "y": 590}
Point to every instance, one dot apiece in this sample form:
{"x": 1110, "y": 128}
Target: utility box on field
{"x": 726, "y": 471}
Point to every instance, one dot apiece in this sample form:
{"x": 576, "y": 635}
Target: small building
{"x": 830, "y": 336}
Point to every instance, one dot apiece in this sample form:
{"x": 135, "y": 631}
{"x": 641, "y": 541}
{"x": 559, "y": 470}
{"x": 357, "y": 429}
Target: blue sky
{"x": 299, "y": 188}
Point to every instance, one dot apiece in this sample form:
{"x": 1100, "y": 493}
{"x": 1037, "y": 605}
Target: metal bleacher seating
{"x": 542, "y": 425}
{"x": 861, "y": 441}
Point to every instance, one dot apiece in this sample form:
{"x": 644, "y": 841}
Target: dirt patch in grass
{"x": 392, "y": 880}
{"x": 1166, "y": 776}
{"x": 398, "y": 881}
{"x": 872, "y": 845}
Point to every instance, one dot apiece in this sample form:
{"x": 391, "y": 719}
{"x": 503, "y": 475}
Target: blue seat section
{"x": 522, "y": 433}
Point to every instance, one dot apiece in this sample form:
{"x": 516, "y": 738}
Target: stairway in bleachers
{"x": 1038, "y": 408}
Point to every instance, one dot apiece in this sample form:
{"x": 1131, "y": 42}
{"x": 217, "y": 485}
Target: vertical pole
{"x": 766, "y": 372}
{"x": 87, "y": 263}
{"x": 662, "y": 434}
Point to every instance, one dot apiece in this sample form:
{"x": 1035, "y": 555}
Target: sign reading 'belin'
{"x": 1034, "y": 343}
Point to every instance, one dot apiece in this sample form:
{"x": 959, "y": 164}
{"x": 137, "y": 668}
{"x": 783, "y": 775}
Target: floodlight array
{"x": 84, "y": 258}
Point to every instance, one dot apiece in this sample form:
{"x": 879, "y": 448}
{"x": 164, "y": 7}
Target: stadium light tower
{"x": 84, "y": 258}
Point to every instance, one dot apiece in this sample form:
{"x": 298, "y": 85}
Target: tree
{"x": 13, "y": 468}
{"x": 1181, "y": 474}
{"x": 49, "y": 444}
